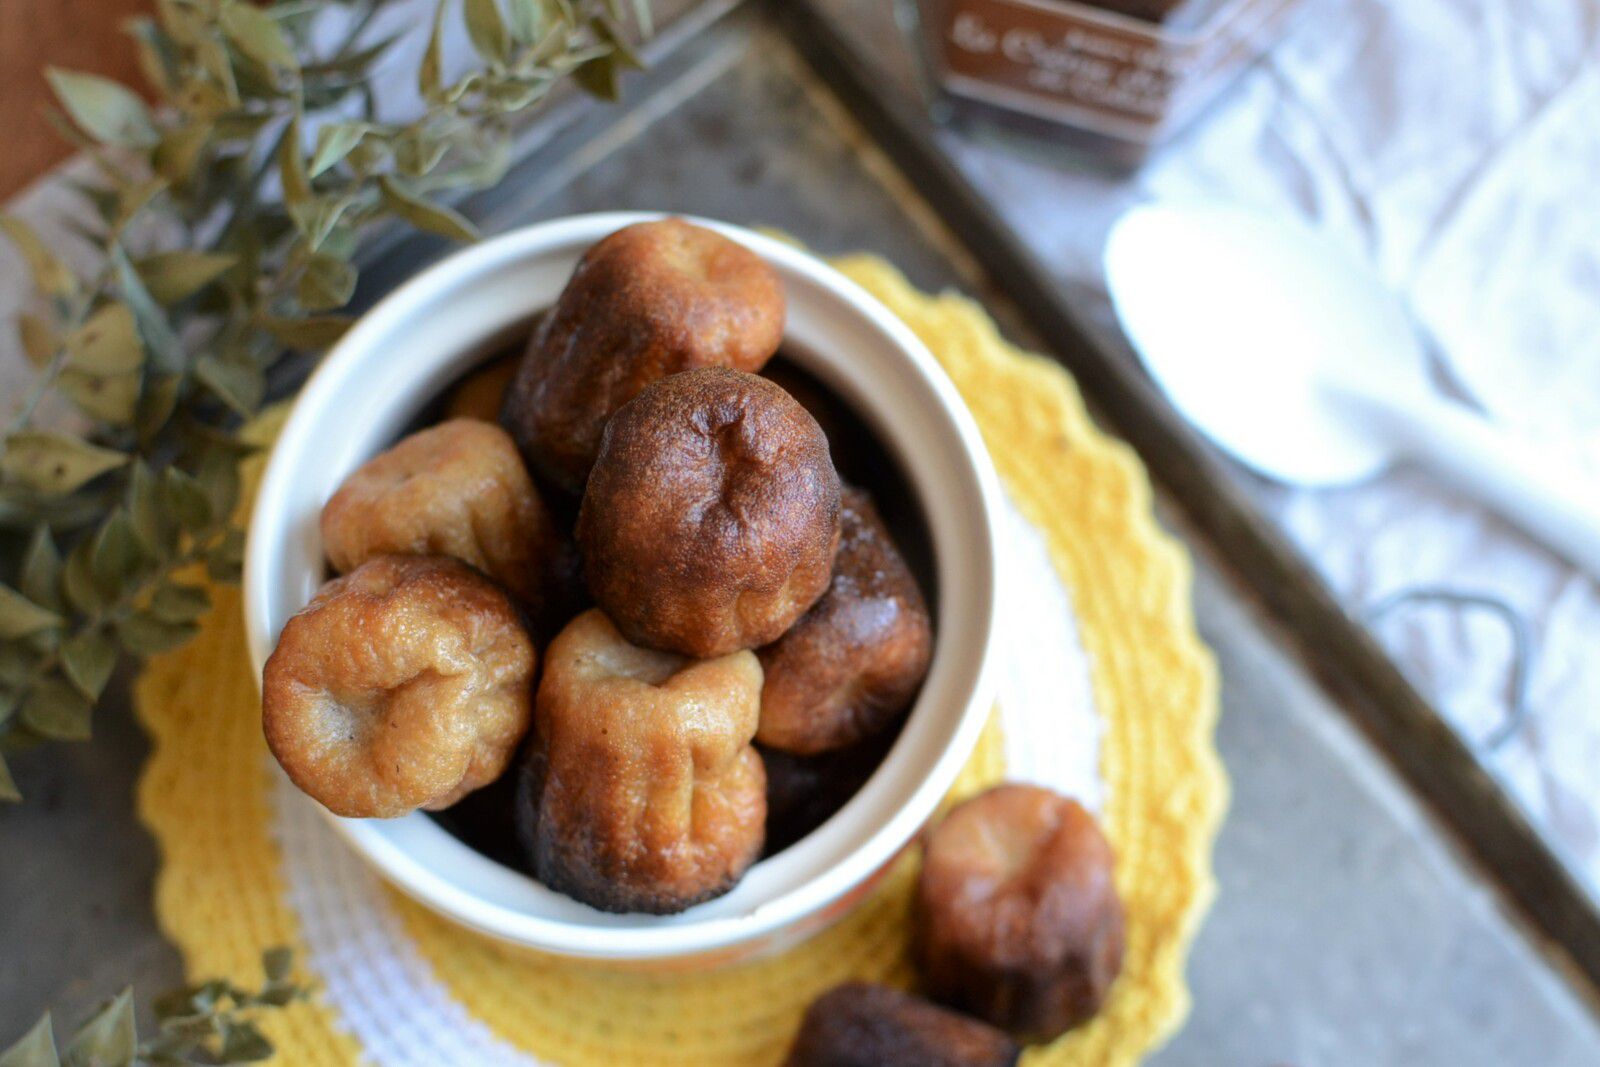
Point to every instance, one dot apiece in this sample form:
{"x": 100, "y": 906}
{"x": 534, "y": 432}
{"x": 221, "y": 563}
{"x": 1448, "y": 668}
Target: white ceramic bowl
{"x": 426, "y": 334}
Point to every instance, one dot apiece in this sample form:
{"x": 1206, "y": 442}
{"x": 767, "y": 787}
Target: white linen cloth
{"x": 1455, "y": 144}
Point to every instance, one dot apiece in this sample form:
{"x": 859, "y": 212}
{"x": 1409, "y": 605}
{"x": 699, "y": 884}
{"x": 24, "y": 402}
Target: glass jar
{"x": 1114, "y": 77}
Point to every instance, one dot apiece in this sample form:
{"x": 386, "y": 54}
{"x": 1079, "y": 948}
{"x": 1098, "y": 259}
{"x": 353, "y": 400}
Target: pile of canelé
{"x": 731, "y": 638}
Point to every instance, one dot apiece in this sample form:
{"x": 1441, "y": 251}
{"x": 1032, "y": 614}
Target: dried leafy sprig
{"x": 225, "y": 221}
{"x": 211, "y": 1023}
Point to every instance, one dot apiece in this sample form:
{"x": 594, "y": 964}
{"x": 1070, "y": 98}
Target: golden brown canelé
{"x": 650, "y": 300}
{"x": 859, "y": 1024}
{"x": 1017, "y": 915}
{"x": 457, "y": 489}
{"x": 853, "y": 663}
{"x": 481, "y": 394}
{"x": 650, "y": 798}
{"x": 405, "y": 684}
{"x": 711, "y": 518}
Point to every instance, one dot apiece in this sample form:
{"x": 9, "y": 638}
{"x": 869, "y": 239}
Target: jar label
{"x": 1092, "y": 68}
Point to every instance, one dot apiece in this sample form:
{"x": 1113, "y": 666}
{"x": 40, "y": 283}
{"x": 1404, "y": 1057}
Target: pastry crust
{"x": 711, "y": 519}
{"x": 1017, "y": 915}
{"x": 650, "y": 797}
{"x": 859, "y": 1024}
{"x": 481, "y": 394}
{"x": 854, "y": 662}
{"x": 405, "y": 684}
{"x": 457, "y": 489}
{"x": 647, "y": 301}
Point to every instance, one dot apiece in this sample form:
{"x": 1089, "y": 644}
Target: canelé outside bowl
{"x": 423, "y": 336}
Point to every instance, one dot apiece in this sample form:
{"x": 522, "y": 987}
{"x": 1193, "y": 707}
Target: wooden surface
{"x": 79, "y": 34}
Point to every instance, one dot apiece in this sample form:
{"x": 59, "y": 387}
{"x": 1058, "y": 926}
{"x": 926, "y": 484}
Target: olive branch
{"x": 223, "y": 221}
{"x": 210, "y": 1023}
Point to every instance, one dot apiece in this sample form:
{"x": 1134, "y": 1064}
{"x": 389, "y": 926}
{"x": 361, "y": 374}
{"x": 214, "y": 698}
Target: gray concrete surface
{"x": 1345, "y": 930}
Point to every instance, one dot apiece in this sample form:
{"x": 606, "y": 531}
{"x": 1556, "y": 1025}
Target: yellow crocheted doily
{"x": 221, "y": 892}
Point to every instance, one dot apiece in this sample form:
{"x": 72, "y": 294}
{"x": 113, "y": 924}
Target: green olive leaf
{"x": 292, "y": 168}
{"x": 181, "y": 21}
{"x": 177, "y": 156}
{"x": 158, "y": 58}
{"x": 108, "y": 343}
{"x": 430, "y": 71}
{"x": 87, "y": 659}
{"x": 513, "y": 95}
{"x": 157, "y": 400}
{"x": 40, "y": 580}
{"x": 606, "y": 31}
{"x": 12, "y": 1057}
{"x": 77, "y": 578}
{"x": 50, "y": 275}
{"x": 277, "y": 963}
{"x": 340, "y": 242}
{"x": 600, "y": 78}
{"x": 335, "y": 141}
{"x": 150, "y": 525}
{"x": 183, "y": 498}
{"x": 110, "y": 398}
{"x": 148, "y": 636}
{"x": 38, "y": 1046}
{"x": 258, "y": 35}
{"x": 44, "y": 642}
{"x": 416, "y": 152}
{"x": 525, "y": 19}
{"x": 326, "y": 284}
{"x": 260, "y": 83}
{"x": 103, "y": 109}
{"x": 20, "y": 616}
{"x": 218, "y": 66}
{"x": 487, "y": 29}
{"x": 311, "y": 334}
{"x": 203, "y": 99}
{"x": 471, "y": 83}
{"x": 176, "y": 275}
{"x": 317, "y": 217}
{"x": 39, "y": 341}
{"x": 104, "y": 200}
{"x": 435, "y": 218}
{"x": 54, "y": 709}
{"x": 166, "y": 352}
{"x": 232, "y": 378}
{"x": 242, "y": 1042}
{"x": 133, "y": 198}
{"x": 117, "y": 558}
{"x": 55, "y": 463}
{"x": 108, "y": 1038}
{"x": 493, "y": 160}
{"x": 353, "y": 63}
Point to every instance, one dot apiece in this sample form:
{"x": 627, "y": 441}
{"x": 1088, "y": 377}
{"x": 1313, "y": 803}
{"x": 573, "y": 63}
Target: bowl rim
{"x": 682, "y": 936}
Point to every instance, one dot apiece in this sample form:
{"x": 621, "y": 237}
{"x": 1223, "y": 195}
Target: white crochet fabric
{"x": 383, "y": 990}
